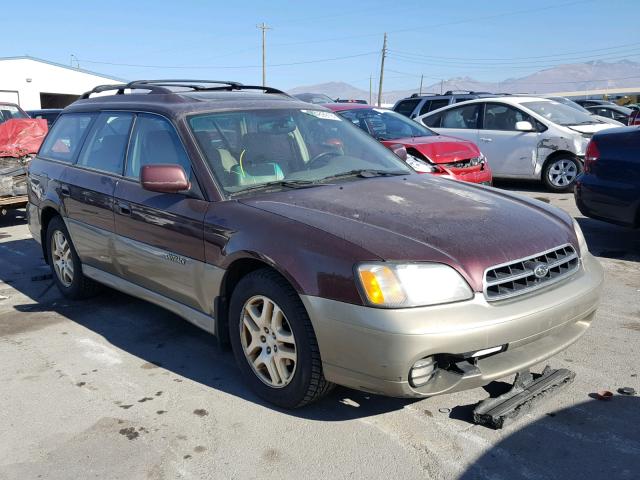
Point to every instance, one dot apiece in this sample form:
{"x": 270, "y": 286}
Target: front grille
{"x": 531, "y": 273}
{"x": 469, "y": 163}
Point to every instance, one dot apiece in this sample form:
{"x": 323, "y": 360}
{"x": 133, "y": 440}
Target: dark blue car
{"x": 609, "y": 188}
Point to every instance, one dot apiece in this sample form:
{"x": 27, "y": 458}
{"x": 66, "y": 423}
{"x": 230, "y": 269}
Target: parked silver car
{"x": 522, "y": 137}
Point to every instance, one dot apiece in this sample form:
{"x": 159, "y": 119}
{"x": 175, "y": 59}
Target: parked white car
{"x": 522, "y": 137}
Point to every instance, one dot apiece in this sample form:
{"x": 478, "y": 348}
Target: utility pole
{"x": 421, "y": 78}
{"x": 370, "y": 89}
{"x": 264, "y": 27}
{"x": 441, "y": 86}
{"x": 384, "y": 54}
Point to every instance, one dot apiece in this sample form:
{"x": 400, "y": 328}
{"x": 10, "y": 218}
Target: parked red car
{"x": 428, "y": 151}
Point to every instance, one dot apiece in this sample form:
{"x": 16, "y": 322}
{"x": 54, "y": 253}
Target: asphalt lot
{"x": 114, "y": 387}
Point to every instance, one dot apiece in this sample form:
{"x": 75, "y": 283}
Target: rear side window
{"x": 65, "y": 138}
{"x": 406, "y": 107}
{"x": 433, "y": 120}
{"x": 462, "y": 117}
{"x": 154, "y": 141}
{"x": 106, "y": 144}
{"x": 432, "y": 105}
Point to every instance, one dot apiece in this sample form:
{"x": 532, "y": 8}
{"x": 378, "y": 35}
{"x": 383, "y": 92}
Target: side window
{"x": 433, "y": 120}
{"x": 65, "y": 138}
{"x": 498, "y": 116}
{"x": 436, "y": 104}
{"x": 406, "y": 107}
{"x": 461, "y": 117}
{"x": 154, "y": 141}
{"x": 461, "y": 99}
{"x": 355, "y": 118}
{"x": 106, "y": 144}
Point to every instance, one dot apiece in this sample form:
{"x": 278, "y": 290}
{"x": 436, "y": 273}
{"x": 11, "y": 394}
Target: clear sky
{"x": 337, "y": 39}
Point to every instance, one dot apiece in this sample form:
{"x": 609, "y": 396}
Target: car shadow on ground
{"x": 594, "y": 439}
{"x": 157, "y": 337}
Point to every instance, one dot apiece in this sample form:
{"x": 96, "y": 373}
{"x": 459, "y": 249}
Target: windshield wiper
{"x": 366, "y": 173}
{"x": 279, "y": 183}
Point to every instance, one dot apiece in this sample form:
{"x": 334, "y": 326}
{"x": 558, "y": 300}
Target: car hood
{"x": 439, "y": 148}
{"x": 590, "y": 128}
{"x": 425, "y": 218}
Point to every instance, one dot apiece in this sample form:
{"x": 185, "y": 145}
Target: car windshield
{"x": 385, "y": 124}
{"x": 285, "y": 148}
{"x": 570, "y": 103}
{"x": 558, "y": 113}
{"x": 8, "y": 112}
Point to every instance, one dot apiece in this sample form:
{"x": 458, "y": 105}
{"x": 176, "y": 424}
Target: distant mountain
{"x": 562, "y": 78}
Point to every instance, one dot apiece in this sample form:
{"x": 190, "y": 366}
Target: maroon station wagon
{"x": 322, "y": 262}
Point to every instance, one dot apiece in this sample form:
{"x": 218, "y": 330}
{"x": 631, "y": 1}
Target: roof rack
{"x": 164, "y": 86}
{"x": 453, "y": 92}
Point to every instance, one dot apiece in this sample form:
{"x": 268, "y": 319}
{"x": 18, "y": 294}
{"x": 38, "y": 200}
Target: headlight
{"x": 419, "y": 165}
{"x": 411, "y": 285}
{"x": 582, "y": 242}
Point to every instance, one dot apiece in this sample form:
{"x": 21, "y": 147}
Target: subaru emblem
{"x": 540, "y": 270}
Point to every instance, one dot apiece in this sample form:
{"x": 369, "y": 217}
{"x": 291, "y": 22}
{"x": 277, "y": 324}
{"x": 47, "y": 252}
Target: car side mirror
{"x": 399, "y": 150}
{"x": 524, "y": 126}
{"x": 164, "y": 178}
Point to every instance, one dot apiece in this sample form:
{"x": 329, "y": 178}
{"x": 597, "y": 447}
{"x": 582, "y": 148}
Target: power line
{"x": 532, "y": 63}
{"x": 228, "y": 66}
{"x": 615, "y": 47}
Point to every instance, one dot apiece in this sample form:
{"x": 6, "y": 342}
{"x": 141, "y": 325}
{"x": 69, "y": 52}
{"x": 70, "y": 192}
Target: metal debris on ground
{"x": 627, "y": 391}
{"x": 525, "y": 393}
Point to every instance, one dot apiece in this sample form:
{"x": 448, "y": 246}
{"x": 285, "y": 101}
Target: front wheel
{"x": 273, "y": 341}
{"x": 559, "y": 174}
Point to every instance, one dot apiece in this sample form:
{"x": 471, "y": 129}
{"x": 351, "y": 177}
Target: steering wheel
{"x": 320, "y": 156}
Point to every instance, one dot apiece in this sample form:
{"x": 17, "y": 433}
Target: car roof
{"x": 340, "y": 107}
{"x": 172, "y": 99}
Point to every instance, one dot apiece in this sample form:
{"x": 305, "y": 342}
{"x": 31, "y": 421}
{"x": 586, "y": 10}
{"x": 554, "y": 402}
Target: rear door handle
{"x": 485, "y": 139}
{"x": 124, "y": 208}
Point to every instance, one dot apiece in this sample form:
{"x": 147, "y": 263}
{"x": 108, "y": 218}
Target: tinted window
{"x": 106, "y": 144}
{"x": 461, "y": 99}
{"x": 154, "y": 141}
{"x": 406, "y": 107}
{"x": 436, "y": 104}
{"x": 65, "y": 138}
{"x": 461, "y": 117}
{"x": 385, "y": 124}
{"x": 498, "y": 116}
{"x": 433, "y": 121}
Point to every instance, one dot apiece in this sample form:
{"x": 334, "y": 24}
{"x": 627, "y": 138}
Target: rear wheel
{"x": 559, "y": 174}
{"x": 273, "y": 341}
{"x": 65, "y": 263}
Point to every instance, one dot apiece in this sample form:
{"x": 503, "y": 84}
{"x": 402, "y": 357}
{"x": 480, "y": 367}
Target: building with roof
{"x": 34, "y": 83}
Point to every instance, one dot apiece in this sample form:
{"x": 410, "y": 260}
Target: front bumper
{"x": 481, "y": 176}
{"x": 373, "y": 349}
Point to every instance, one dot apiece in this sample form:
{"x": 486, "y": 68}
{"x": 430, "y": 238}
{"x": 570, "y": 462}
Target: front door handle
{"x": 486, "y": 139}
{"x": 124, "y": 208}
{"x": 64, "y": 190}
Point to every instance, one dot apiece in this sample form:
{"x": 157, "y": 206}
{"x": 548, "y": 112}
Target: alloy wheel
{"x": 268, "y": 341}
{"x": 62, "y": 259}
{"x": 562, "y": 173}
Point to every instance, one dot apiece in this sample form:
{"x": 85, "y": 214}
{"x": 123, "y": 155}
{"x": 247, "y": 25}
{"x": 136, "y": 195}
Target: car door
{"x": 510, "y": 152}
{"x": 159, "y": 236}
{"x": 86, "y": 188}
{"x": 461, "y": 122}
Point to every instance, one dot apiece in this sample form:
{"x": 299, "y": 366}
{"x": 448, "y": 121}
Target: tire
{"x": 559, "y": 173}
{"x": 74, "y": 285}
{"x": 280, "y": 379}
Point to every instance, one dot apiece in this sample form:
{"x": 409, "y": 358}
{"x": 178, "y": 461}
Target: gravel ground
{"x": 115, "y": 387}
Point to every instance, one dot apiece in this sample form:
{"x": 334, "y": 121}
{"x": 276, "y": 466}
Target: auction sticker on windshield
{"x": 321, "y": 114}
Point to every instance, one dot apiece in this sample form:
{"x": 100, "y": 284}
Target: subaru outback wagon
{"x": 316, "y": 252}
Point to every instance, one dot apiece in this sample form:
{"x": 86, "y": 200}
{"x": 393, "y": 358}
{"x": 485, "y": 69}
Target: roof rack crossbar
{"x": 189, "y": 83}
{"x": 120, "y": 87}
{"x": 247, "y": 87}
